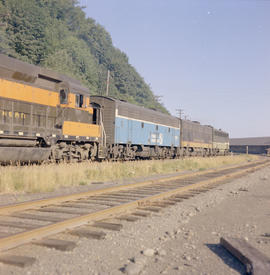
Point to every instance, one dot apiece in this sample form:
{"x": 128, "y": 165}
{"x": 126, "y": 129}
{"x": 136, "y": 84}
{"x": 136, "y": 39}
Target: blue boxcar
{"x": 125, "y": 123}
{"x": 134, "y": 131}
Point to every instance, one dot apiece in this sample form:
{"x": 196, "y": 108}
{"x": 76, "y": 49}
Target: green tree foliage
{"x": 56, "y": 34}
{"x": 3, "y": 24}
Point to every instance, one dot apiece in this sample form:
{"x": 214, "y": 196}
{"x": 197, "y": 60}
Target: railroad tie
{"x": 97, "y": 202}
{"x": 205, "y": 189}
{"x": 108, "y": 225}
{"x": 111, "y": 199}
{"x": 151, "y": 209}
{"x": 20, "y": 261}
{"x": 64, "y": 211}
{"x": 194, "y": 192}
{"x": 168, "y": 202}
{"x": 36, "y": 217}
{"x": 141, "y": 214}
{"x": 132, "y": 194}
{"x": 18, "y": 225}
{"x": 162, "y": 204}
{"x": 56, "y": 244}
{"x": 89, "y": 234}
{"x": 78, "y": 205}
{"x": 175, "y": 199}
{"x": 128, "y": 218}
{"x": 185, "y": 196}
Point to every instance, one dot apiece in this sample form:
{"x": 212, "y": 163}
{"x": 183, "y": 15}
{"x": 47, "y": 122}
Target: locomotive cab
{"x": 96, "y": 113}
{"x": 43, "y": 113}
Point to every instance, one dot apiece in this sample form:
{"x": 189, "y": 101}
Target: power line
{"x": 180, "y": 112}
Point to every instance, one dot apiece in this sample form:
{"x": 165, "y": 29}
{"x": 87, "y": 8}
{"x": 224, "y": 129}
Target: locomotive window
{"x": 63, "y": 96}
{"x": 95, "y": 116}
{"x": 156, "y": 127}
{"x": 79, "y": 101}
{"x": 142, "y": 124}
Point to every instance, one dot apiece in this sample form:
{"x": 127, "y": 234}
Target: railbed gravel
{"x": 181, "y": 239}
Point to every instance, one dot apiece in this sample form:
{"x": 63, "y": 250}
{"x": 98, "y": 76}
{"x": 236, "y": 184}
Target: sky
{"x": 210, "y": 58}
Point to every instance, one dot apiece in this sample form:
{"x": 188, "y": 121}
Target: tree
{"x": 3, "y": 25}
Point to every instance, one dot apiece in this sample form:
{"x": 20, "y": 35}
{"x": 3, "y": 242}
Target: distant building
{"x": 256, "y": 145}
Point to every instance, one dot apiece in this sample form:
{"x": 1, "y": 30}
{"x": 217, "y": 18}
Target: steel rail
{"x": 45, "y": 231}
{"x": 9, "y": 209}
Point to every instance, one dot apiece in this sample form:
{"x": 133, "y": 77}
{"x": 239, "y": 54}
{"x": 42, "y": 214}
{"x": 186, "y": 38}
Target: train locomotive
{"x": 48, "y": 116}
{"x": 45, "y": 115}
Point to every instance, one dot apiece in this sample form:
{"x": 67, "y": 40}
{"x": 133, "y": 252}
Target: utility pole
{"x": 180, "y": 112}
{"x": 108, "y": 83}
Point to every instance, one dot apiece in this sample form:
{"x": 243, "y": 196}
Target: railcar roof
{"x": 17, "y": 70}
{"x": 221, "y": 131}
{"x": 133, "y": 106}
{"x": 197, "y": 123}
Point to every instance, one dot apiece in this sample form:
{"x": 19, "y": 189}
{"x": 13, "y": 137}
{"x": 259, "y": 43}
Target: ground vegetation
{"x": 47, "y": 178}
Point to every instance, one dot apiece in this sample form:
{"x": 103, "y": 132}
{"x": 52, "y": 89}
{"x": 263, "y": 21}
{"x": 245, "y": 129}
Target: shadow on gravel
{"x": 227, "y": 258}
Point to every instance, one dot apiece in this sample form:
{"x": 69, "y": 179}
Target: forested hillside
{"x": 56, "y": 34}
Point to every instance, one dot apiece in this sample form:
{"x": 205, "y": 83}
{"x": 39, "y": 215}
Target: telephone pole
{"x": 108, "y": 83}
{"x": 180, "y": 112}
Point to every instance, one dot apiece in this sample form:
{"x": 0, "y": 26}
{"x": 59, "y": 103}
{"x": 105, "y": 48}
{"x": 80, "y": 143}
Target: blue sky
{"x": 208, "y": 57}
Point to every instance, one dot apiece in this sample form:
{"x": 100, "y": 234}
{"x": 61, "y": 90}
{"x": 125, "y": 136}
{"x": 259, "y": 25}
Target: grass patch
{"x": 46, "y": 178}
{"x": 83, "y": 183}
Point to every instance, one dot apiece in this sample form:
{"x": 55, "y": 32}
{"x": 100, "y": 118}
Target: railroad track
{"x": 35, "y": 221}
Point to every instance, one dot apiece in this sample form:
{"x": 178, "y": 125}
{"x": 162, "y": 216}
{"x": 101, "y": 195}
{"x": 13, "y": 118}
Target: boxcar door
{"x": 117, "y": 131}
{"x": 172, "y": 136}
{"x": 130, "y": 127}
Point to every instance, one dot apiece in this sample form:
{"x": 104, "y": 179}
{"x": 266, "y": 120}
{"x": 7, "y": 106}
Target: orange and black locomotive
{"x": 45, "y": 115}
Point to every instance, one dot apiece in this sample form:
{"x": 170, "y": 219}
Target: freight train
{"x": 48, "y": 116}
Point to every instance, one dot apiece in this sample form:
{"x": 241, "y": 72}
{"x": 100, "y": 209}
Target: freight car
{"x": 45, "y": 115}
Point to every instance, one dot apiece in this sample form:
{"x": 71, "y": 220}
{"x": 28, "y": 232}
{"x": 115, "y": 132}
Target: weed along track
{"x": 86, "y": 214}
